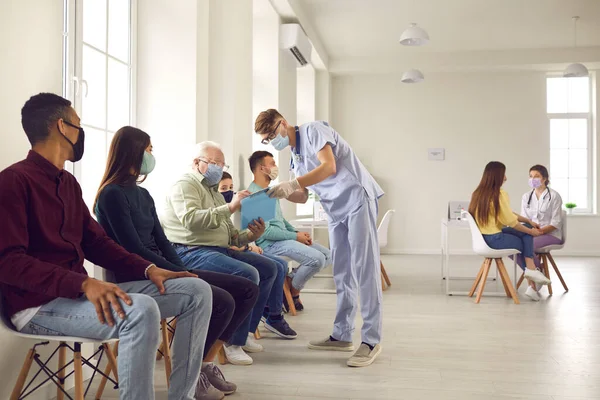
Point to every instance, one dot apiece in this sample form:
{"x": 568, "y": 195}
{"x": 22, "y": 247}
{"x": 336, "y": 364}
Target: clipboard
{"x": 258, "y": 205}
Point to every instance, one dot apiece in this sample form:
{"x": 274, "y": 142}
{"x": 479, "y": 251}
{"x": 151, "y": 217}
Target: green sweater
{"x": 278, "y": 228}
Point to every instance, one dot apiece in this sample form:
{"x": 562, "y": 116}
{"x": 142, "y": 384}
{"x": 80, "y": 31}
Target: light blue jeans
{"x": 312, "y": 259}
{"x": 189, "y": 299}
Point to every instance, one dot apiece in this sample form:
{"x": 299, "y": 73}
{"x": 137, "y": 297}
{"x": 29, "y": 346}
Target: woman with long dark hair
{"x": 500, "y": 226}
{"x": 127, "y": 212}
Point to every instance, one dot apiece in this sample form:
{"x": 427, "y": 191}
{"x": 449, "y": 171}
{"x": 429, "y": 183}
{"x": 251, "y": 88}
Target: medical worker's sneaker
{"x": 329, "y": 344}
{"x": 251, "y": 346}
{"x": 364, "y": 356}
{"x": 235, "y": 355}
{"x": 532, "y": 294}
{"x": 280, "y": 327}
{"x": 206, "y": 391}
{"x": 537, "y": 276}
{"x": 217, "y": 379}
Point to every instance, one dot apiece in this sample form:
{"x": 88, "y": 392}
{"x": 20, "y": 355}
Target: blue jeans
{"x": 275, "y": 301}
{"x": 511, "y": 238}
{"x": 312, "y": 259}
{"x": 260, "y": 270}
{"x": 189, "y": 299}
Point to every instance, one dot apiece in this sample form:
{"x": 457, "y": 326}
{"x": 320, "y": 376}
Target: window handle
{"x": 83, "y": 81}
{"x": 76, "y": 84}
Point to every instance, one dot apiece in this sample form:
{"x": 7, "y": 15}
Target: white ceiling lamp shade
{"x": 575, "y": 70}
{"x": 412, "y": 76}
{"x": 414, "y": 36}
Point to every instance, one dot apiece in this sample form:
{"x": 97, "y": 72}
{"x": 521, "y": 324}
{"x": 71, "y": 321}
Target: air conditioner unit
{"x": 294, "y": 42}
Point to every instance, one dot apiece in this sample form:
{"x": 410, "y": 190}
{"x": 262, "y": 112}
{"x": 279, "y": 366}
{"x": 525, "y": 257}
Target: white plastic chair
{"x": 545, "y": 256}
{"x": 382, "y": 234}
{"x": 58, "y": 377}
{"x": 481, "y": 248}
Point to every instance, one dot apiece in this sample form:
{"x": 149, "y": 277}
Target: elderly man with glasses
{"x": 197, "y": 220}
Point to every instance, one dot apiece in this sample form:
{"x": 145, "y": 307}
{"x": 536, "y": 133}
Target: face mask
{"x": 228, "y": 196}
{"x": 213, "y": 174}
{"x": 535, "y": 182}
{"x": 279, "y": 142}
{"x": 148, "y": 163}
{"x": 77, "y": 146}
{"x": 274, "y": 173}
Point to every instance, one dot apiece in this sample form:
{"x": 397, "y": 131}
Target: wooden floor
{"x": 440, "y": 347}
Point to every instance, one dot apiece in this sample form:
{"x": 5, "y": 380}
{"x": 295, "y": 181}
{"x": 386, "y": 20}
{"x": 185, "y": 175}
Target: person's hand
{"x": 536, "y": 226}
{"x": 104, "y": 295}
{"x": 159, "y": 276}
{"x": 236, "y": 201}
{"x": 536, "y": 232}
{"x": 235, "y": 248}
{"x": 257, "y": 228}
{"x": 284, "y": 189}
{"x": 255, "y": 249}
{"x": 304, "y": 238}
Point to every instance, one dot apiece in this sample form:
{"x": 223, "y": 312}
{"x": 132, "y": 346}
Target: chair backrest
{"x": 479, "y": 245}
{"x": 5, "y": 325}
{"x": 382, "y": 231}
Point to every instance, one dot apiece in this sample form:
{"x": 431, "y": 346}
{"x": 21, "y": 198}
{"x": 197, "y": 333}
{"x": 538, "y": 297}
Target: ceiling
{"x": 351, "y": 28}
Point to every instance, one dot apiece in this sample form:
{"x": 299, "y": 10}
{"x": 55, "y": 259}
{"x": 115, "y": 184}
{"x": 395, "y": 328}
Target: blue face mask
{"x": 213, "y": 174}
{"x": 279, "y": 142}
{"x": 148, "y": 163}
{"x": 228, "y": 195}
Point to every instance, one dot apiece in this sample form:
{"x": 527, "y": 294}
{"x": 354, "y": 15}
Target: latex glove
{"x": 284, "y": 189}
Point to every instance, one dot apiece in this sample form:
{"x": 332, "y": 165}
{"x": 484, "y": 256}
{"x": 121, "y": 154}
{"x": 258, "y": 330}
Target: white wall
{"x": 166, "y": 87}
{"x": 476, "y": 117}
{"x": 31, "y": 62}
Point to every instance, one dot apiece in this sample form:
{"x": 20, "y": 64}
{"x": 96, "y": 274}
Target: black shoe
{"x": 281, "y": 328}
{"x": 299, "y": 306}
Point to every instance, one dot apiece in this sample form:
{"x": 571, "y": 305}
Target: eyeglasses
{"x": 218, "y": 164}
{"x": 271, "y": 135}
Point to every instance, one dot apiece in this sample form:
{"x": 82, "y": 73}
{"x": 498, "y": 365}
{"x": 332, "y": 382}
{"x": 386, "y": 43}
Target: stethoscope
{"x": 548, "y": 194}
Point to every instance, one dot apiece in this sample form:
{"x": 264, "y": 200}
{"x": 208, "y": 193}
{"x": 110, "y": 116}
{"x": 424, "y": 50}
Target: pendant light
{"x": 575, "y": 70}
{"x": 412, "y": 76}
{"x": 414, "y": 36}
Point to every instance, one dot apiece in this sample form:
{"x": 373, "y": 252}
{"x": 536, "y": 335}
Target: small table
{"x": 448, "y": 225}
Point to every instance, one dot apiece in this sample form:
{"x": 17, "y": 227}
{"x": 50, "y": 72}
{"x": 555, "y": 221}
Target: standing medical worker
{"x": 325, "y": 162}
{"x": 543, "y": 207}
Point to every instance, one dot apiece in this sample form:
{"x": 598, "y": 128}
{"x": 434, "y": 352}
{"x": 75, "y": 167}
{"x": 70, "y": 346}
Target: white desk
{"x": 312, "y": 224}
{"x": 447, "y": 226}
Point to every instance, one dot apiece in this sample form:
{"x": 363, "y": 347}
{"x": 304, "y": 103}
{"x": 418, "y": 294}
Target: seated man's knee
{"x": 199, "y": 290}
{"x": 267, "y": 268}
{"x": 320, "y": 261}
{"x": 143, "y": 316}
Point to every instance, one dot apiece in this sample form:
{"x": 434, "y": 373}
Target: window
{"x": 571, "y": 151}
{"x": 100, "y": 73}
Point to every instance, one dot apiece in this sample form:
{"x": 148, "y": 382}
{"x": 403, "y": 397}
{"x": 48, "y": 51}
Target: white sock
{"x": 204, "y": 364}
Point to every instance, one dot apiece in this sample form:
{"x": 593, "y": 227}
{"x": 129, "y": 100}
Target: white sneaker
{"x": 532, "y": 294}
{"x": 236, "y": 356}
{"x": 251, "y": 346}
{"x": 536, "y": 276}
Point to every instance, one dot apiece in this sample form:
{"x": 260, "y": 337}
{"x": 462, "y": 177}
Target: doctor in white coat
{"x": 324, "y": 162}
{"x": 543, "y": 207}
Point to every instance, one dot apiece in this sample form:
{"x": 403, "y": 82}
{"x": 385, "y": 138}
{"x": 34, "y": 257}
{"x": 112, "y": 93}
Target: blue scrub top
{"x": 350, "y": 186}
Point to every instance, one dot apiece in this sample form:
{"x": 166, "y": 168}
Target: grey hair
{"x": 200, "y": 148}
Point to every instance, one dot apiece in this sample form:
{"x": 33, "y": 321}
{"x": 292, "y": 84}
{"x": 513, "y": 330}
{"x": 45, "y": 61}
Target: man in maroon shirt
{"x": 46, "y": 234}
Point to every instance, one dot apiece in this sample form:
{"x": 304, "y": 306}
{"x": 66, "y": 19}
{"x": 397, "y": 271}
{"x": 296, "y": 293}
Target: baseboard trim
{"x": 468, "y": 252}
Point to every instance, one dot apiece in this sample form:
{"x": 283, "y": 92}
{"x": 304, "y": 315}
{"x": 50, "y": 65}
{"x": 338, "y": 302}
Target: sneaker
{"x": 537, "y": 276}
{"x": 328, "y": 344}
{"x": 236, "y": 355}
{"x": 206, "y": 391}
{"x": 281, "y": 328}
{"x": 364, "y": 356}
{"x": 217, "y": 379}
{"x": 298, "y": 303}
{"x": 532, "y": 294}
{"x": 251, "y": 346}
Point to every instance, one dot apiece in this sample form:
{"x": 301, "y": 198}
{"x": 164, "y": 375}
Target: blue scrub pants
{"x": 356, "y": 271}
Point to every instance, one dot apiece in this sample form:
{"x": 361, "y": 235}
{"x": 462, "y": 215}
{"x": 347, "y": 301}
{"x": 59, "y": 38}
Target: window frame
{"x": 591, "y": 209}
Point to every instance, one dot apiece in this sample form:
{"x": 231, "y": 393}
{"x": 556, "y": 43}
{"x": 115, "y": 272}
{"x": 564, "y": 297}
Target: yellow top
{"x": 505, "y": 217}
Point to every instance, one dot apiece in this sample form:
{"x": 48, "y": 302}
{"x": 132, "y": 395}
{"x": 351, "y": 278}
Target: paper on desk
{"x": 257, "y": 205}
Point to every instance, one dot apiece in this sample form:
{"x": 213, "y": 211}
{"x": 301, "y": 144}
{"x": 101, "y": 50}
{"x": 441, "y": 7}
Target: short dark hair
{"x": 226, "y": 175}
{"x": 40, "y": 112}
{"x": 257, "y": 157}
{"x": 543, "y": 171}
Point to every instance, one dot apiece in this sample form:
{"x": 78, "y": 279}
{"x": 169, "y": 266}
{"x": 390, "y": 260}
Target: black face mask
{"x": 228, "y": 195}
{"x": 77, "y": 146}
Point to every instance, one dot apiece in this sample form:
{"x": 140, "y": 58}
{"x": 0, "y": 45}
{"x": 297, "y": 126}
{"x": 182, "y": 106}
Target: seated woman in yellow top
{"x": 499, "y": 225}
